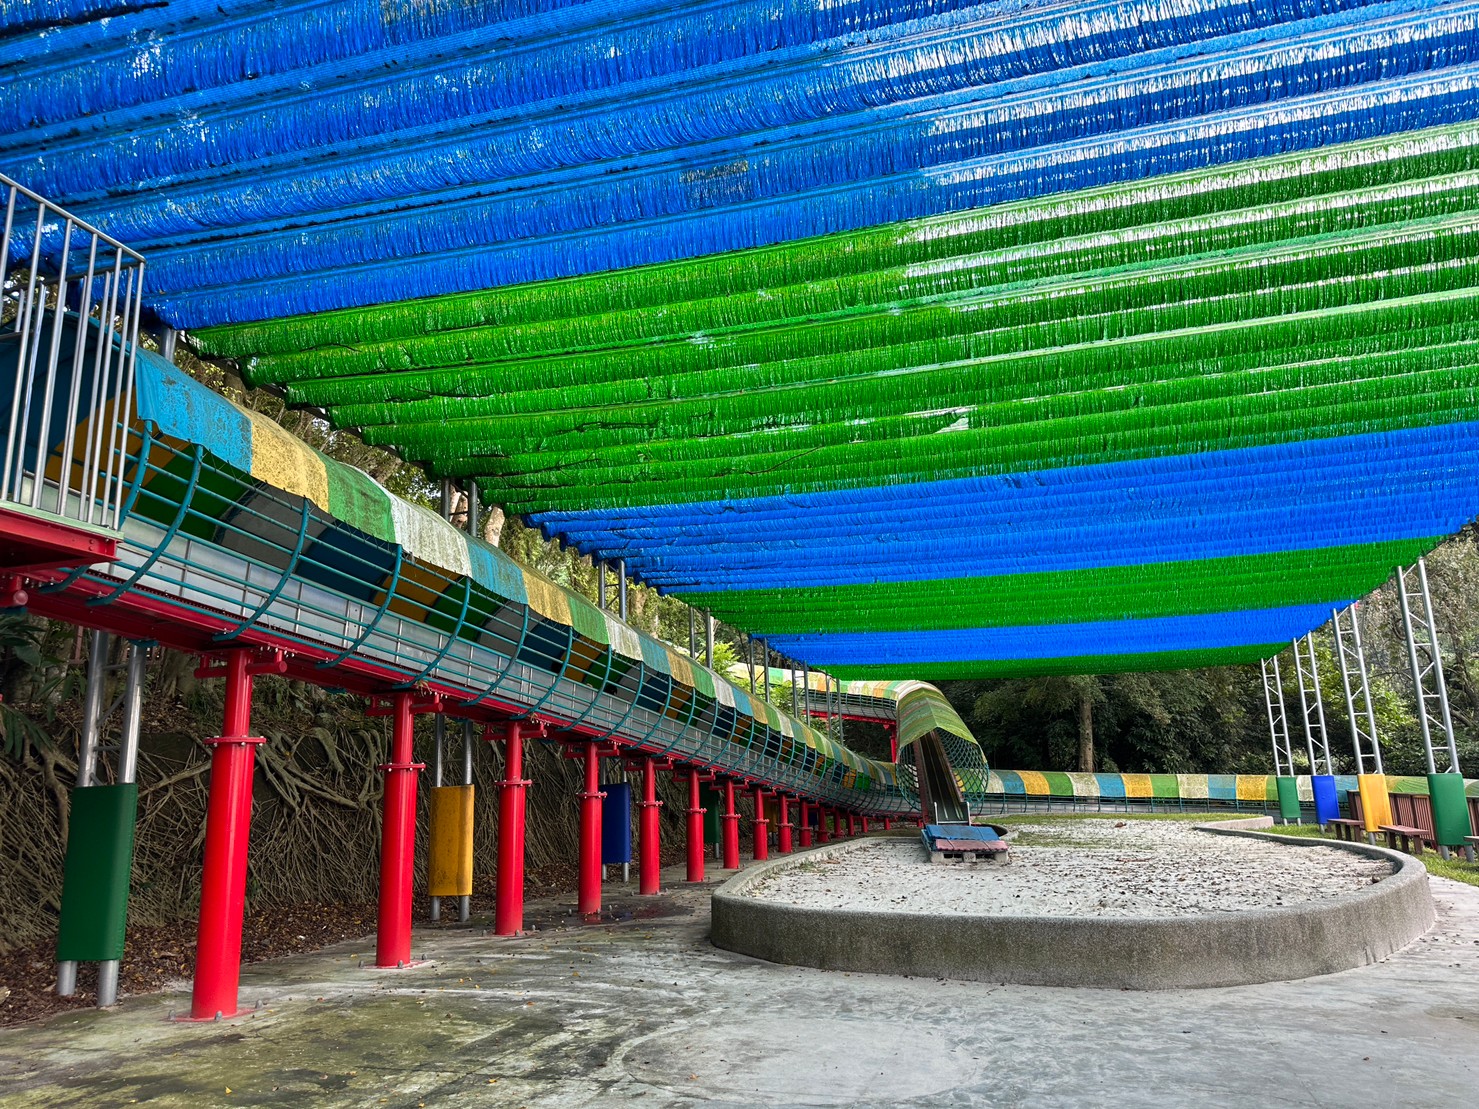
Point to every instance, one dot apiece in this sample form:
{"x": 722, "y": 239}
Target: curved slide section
{"x": 237, "y": 533}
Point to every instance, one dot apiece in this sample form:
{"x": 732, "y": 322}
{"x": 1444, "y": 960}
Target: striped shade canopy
{"x": 919, "y": 336}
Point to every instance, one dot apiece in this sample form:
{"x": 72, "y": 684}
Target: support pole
{"x": 436, "y": 762}
{"x": 128, "y": 772}
{"x": 695, "y": 829}
{"x": 621, "y": 587}
{"x": 708, "y": 639}
{"x": 464, "y": 902}
{"x": 397, "y": 840}
{"x": 227, "y": 828}
{"x": 692, "y": 633}
{"x": 852, "y": 825}
{"x": 1376, "y": 806}
{"x": 588, "y": 901}
{"x": 731, "y": 828}
{"x": 600, "y": 585}
{"x": 762, "y": 827}
{"x": 1449, "y": 805}
{"x": 87, "y": 755}
{"x": 837, "y": 823}
{"x": 824, "y": 828}
{"x": 1312, "y": 712}
{"x": 806, "y": 808}
{"x": 508, "y": 908}
{"x": 649, "y": 862}
{"x": 783, "y": 832}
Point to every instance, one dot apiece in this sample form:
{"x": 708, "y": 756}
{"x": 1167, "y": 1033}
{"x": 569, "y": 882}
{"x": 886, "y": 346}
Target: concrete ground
{"x": 640, "y": 1009}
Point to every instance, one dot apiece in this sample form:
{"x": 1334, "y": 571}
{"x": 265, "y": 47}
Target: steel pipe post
{"x": 588, "y": 901}
{"x": 824, "y": 829}
{"x": 649, "y": 862}
{"x": 731, "y": 828}
{"x": 227, "y": 831}
{"x": 508, "y": 908}
{"x": 783, "y": 831}
{"x": 762, "y": 827}
{"x": 806, "y": 808}
{"x": 852, "y": 825}
{"x": 695, "y": 830}
{"x": 397, "y": 840}
{"x": 464, "y": 902}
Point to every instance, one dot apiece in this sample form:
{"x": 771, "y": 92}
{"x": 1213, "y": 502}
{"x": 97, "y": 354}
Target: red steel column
{"x": 762, "y": 827}
{"x": 508, "y": 906}
{"x": 228, "y": 825}
{"x": 588, "y": 901}
{"x": 852, "y": 825}
{"x": 695, "y": 830}
{"x": 888, "y": 824}
{"x": 783, "y": 832}
{"x": 397, "y": 840}
{"x": 649, "y": 862}
{"x": 837, "y": 823}
{"x": 824, "y": 829}
{"x": 806, "y": 808}
{"x": 731, "y": 828}
{"x": 865, "y": 825}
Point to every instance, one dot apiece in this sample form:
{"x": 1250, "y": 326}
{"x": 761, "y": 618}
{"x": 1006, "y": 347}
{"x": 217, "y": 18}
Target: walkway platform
{"x": 640, "y": 1009}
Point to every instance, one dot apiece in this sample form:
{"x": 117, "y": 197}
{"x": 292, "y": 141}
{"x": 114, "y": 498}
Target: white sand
{"x": 1140, "y": 869}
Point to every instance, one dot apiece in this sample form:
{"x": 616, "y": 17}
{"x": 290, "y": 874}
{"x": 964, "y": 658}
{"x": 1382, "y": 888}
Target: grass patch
{"x": 1455, "y": 867}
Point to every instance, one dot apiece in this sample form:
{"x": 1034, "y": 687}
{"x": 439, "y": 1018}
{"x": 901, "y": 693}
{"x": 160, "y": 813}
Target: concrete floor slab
{"x": 640, "y": 1009}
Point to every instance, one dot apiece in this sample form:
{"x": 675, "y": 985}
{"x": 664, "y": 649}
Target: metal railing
{"x": 68, "y": 340}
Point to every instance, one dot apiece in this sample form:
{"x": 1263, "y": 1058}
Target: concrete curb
{"x": 1137, "y": 953}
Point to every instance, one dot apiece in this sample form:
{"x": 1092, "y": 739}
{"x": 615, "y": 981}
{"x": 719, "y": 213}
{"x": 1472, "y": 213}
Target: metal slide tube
{"x": 508, "y": 911}
{"x": 397, "y": 841}
{"x": 227, "y": 830}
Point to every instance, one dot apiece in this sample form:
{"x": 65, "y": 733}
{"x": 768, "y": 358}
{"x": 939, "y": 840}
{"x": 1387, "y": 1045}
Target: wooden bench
{"x": 1350, "y": 830}
{"x": 1407, "y": 834}
{"x": 973, "y": 850}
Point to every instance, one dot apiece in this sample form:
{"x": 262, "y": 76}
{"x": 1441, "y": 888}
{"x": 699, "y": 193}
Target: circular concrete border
{"x": 1138, "y": 953}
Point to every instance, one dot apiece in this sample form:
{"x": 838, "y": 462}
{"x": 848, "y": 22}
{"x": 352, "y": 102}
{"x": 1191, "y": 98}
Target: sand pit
{"x": 1087, "y": 868}
{"x": 1091, "y": 902}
